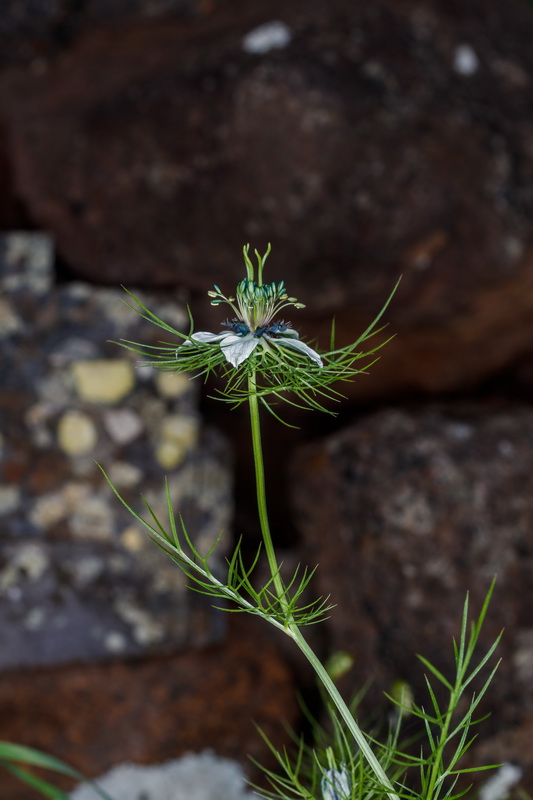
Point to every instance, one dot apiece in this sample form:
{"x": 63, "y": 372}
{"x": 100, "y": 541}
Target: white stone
{"x": 124, "y": 475}
{"x": 9, "y": 499}
{"x": 270, "y": 36}
{"x": 459, "y": 431}
{"x": 36, "y": 251}
{"x": 10, "y": 322}
{"x": 73, "y": 349}
{"x": 465, "y": 60}
{"x": 173, "y": 314}
{"x": 49, "y": 509}
{"x": 30, "y": 561}
{"x": 34, "y": 619}
{"x": 202, "y": 776}
{"x": 123, "y": 425}
{"x": 499, "y": 785}
{"x": 145, "y": 629}
{"x": 53, "y": 390}
{"x": 92, "y": 520}
{"x": 115, "y": 642}
{"x": 144, "y": 371}
{"x": 506, "y": 448}
{"x": 87, "y": 569}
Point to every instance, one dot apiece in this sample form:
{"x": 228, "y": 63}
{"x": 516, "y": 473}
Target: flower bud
{"x": 336, "y": 784}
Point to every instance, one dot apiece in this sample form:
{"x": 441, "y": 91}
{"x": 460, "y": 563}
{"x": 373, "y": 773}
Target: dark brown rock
{"x": 383, "y": 139}
{"x": 94, "y": 717}
{"x": 31, "y": 31}
{"x": 405, "y": 513}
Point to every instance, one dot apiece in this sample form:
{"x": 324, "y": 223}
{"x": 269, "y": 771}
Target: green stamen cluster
{"x": 259, "y": 304}
{"x": 256, "y": 303}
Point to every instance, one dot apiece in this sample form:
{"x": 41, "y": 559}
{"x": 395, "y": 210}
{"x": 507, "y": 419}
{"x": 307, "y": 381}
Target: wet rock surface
{"x": 79, "y": 576}
{"x": 149, "y": 711}
{"x": 373, "y": 141}
{"x": 406, "y": 512}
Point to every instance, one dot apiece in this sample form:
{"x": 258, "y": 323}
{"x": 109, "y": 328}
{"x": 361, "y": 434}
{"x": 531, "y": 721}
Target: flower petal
{"x": 206, "y": 338}
{"x": 296, "y": 344}
{"x": 237, "y": 348}
{"x": 290, "y": 332}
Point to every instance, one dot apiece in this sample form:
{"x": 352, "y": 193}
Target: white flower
{"x": 255, "y": 306}
{"x": 336, "y": 784}
{"x": 256, "y": 352}
{"x": 237, "y": 346}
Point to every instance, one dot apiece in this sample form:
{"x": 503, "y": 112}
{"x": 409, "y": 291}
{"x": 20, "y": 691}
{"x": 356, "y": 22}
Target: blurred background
{"x": 143, "y": 143}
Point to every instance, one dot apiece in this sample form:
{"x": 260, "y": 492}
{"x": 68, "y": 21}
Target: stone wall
{"x": 137, "y": 666}
{"x": 80, "y": 577}
{"x": 365, "y": 141}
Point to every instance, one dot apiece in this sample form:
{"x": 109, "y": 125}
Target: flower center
{"x": 255, "y": 305}
{"x": 242, "y": 329}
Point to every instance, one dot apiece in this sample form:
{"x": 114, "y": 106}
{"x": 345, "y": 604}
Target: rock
{"x": 151, "y": 710}
{"x": 80, "y": 578}
{"x": 197, "y": 776}
{"x": 76, "y": 433}
{"x": 177, "y": 436}
{"x": 513, "y": 747}
{"x": 273, "y": 35}
{"x": 98, "y": 381}
{"x": 30, "y": 33}
{"x": 378, "y": 141}
{"x": 406, "y": 512}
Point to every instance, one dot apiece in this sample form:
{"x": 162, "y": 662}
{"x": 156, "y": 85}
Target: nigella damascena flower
{"x": 253, "y": 328}
{"x": 336, "y": 784}
{"x": 258, "y": 353}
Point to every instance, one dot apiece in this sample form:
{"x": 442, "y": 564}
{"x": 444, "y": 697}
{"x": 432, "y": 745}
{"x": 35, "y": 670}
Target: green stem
{"x": 343, "y": 710}
{"x": 439, "y": 752}
{"x": 260, "y": 488}
{"x": 291, "y": 628}
{"x": 455, "y": 695}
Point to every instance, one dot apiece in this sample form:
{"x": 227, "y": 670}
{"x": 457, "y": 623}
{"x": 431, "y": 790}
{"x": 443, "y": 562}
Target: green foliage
{"x": 238, "y": 587}
{"x": 15, "y": 758}
{"x": 433, "y": 773}
{"x": 263, "y": 361}
{"x": 301, "y": 769}
{"x": 448, "y": 728}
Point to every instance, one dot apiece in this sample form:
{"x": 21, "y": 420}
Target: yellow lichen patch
{"x": 76, "y": 433}
{"x": 104, "y": 381}
{"x": 177, "y": 436}
{"x": 171, "y": 384}
{"x": 133, "y": 539}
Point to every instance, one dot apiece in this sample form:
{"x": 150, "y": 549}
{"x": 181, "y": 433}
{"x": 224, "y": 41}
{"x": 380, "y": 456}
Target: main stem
{"x": 260, "y": 488}
{"x": 291, "y": 628}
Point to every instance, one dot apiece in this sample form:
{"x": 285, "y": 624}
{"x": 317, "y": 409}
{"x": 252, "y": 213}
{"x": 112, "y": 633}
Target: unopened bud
{"x": 336, "y": 784}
